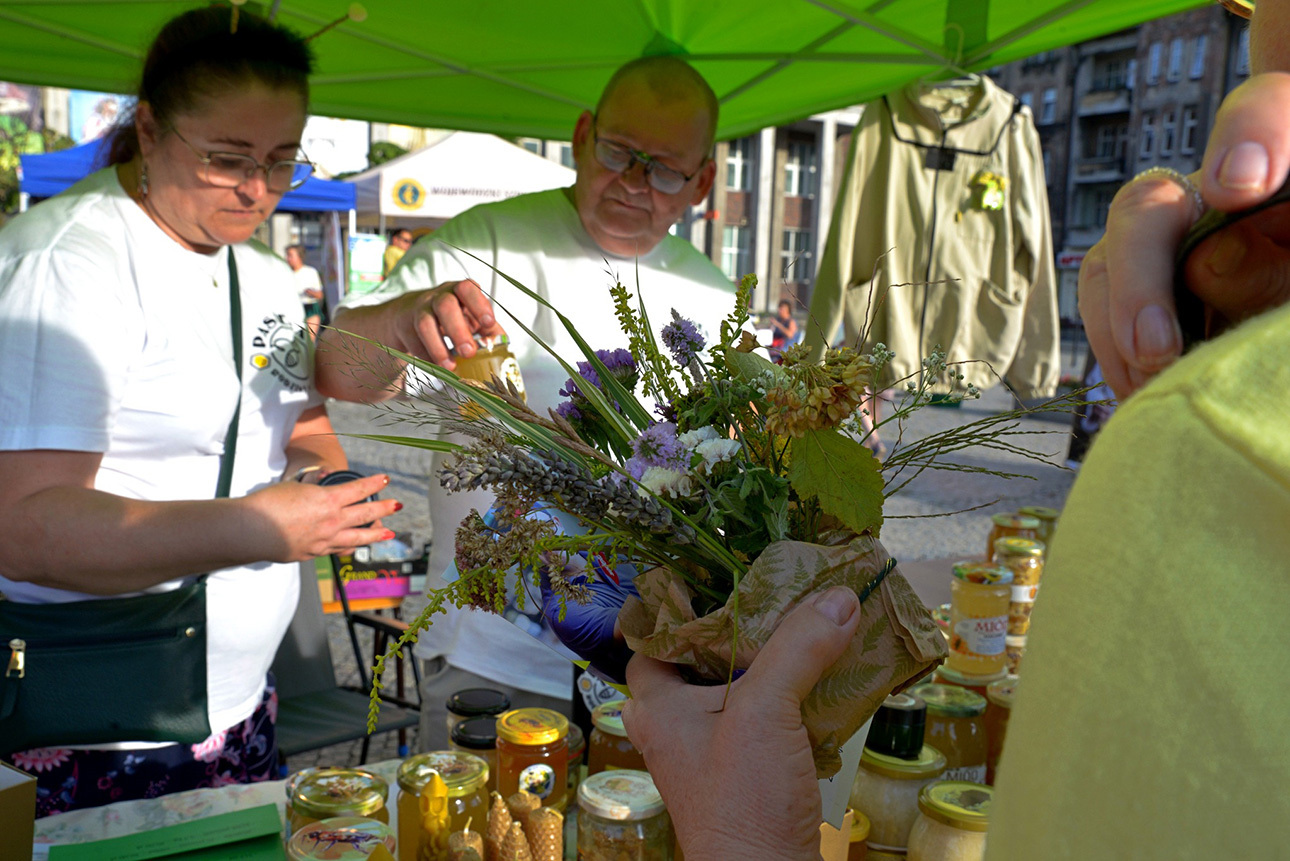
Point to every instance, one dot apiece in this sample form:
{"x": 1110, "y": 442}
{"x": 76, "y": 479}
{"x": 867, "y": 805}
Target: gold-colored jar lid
{"x": 1003, "y": 692}
{"x": 929, "y": 763}
{"x": 951, "y": 701}
{"x": 342, "y": 838}
{"x": 463, "y": 773}
{"x": 1039, "y": 512}
{"x": 608, "y": 717}
{"x": 532, "y": 726}
{"x": 957, "y": 803}
{"x": 950, "y": 676}
{"x": 982, "y": 573}
{"x": 327, "y": 792}
{"x": 1018, "y": 547}
{"x": 1015, "y": 521}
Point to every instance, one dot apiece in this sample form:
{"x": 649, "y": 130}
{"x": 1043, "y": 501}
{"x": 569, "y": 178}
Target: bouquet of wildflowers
{"x": 685, "y": 497}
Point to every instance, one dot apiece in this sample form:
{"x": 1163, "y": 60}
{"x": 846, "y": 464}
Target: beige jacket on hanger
{"x": 912, "y": 249}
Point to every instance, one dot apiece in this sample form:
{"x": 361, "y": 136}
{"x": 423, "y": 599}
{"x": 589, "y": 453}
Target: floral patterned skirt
{"x": 73, "y": 779}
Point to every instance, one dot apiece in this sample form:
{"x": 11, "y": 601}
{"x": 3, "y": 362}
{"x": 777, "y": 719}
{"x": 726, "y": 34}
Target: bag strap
{"x": 235, "y": 323}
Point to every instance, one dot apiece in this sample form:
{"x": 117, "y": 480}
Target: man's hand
{"x": 427, "y": 320}
{"x": 1126, "y": 282}
{"x": 740, "y": 782}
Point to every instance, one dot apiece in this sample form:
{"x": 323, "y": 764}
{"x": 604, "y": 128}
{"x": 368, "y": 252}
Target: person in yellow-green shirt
{"x": 400, "y": 242}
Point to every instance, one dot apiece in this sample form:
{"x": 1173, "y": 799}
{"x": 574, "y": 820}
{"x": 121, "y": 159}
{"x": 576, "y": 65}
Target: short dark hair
{"x": 402, "y": 230}
{"x": 671, "y": 79}
{"x": 298, "y": 248}
{"x": 197, "y": 55}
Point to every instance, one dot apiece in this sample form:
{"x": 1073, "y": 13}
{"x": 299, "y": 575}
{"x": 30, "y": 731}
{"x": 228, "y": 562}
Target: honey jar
{"x": 1013, "y": 650}
{"x": 478, "y": 736}
{"x": 577, "y": 744}
{"x": 533, "y": 755}
{"x": 999, "y": 697}
{"x": 491, "y": 361}
{"x": 980, "y": 593}
{"x": 1025, "y": 559}
{"x": 886, "y": 790}
{"x": 609, "y": 747}
{"x": 944, "y": 675}
{"x": 952, "y": 820}
{"x": 621, "y": 817}
{"x": 956, "y": 727}
{"x": 1010, "y": 526}
{"x": 423, "y": 832}
{"x": 328, "y": 793}
{"x": 1047, "y": 518}
{"x": 473, "y": 703}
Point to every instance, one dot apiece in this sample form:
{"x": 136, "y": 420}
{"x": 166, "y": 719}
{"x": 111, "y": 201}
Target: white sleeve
{"x": 69, "y": 339}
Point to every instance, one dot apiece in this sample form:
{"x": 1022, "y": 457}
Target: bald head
{"x": 669, "y": 79}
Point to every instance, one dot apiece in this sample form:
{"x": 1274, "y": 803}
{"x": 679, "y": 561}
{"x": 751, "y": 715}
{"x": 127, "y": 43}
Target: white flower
{"x": 660, "y": 480}
{"x": 716, "y": 451}
{"x": 692, "y": 439}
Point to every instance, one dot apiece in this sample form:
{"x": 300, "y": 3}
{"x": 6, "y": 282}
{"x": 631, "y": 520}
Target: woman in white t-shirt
{"x": 118, "y": 385}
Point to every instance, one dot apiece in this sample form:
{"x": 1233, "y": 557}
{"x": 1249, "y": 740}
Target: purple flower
{"x": 682, "y": 339}
{"x": 567, "y": 410}
{"x": 657, "y": 445}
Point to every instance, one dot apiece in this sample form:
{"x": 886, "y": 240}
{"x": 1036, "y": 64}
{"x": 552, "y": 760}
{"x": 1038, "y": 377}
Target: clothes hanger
{"x": 951, "y": 76}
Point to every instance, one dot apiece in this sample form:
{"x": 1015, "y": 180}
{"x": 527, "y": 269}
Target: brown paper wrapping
{"x": 546, "y": 834}
{"x": 895, "y": 644}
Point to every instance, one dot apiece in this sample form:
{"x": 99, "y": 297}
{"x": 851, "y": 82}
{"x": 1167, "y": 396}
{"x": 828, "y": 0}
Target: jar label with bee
{"x": 538, "y": 779}
{"x": 982, "y": 636}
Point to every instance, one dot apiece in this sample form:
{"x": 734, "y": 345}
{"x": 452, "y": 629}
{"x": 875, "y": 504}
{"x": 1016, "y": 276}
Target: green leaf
{"x": 842, "y": 474}
{"x": 409, "y": 441}
{"x": 749, "y": 366}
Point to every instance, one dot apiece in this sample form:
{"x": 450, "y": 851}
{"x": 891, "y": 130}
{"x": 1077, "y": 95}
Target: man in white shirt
{"x": 643, "y": 158}
{"x": 308, "y": 285}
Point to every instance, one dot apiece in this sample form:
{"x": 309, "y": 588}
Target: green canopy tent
{"x": 529, "y": 68}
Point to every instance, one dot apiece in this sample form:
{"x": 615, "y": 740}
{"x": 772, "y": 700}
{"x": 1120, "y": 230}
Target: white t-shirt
{"x": 307, "y": 279}
{"x": 538, "y": 240}
{"x": 117, "y": 340}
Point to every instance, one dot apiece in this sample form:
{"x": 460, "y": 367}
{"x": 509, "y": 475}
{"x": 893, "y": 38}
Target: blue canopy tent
{"x": 47, "y": 174}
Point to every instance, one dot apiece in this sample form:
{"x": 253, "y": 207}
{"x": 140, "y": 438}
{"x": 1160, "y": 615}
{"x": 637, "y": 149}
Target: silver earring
{"x": 143, "y": 179}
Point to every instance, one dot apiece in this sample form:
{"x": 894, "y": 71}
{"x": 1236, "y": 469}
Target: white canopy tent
{"x": 427, "y": 187}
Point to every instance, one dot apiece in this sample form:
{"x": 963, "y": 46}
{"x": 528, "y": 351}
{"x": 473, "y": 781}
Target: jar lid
{"x": 941, "y": 616}
{"x": 1039, "y": 512}
{"x": 1015, "y": 521}
{"x": 898, "y": 726}
{"x": 330, "y": 792}
{"x": 342, "y": 838}
{"x": 477, "y": 733}
{"x": 983, "y": 573}
{"x": 950, "y": 676}
{"x": 622, "y": 794}
{"x": 1002, "y": 692}
{"x": 859, "y": 827}
{"x": 473, "y": 702}
{"x": 608, "y": 717}
{"x": 929, "y": 763}
{"x": 1018, "y": 547}
{"x": 532, "y": 726}
{"x": 1015, "y": 641}
{"x": 463, "y": 773}
{"x": 577, "y": 742}
{"x": 957, "y": 803}
{"x": 952, "y": 701}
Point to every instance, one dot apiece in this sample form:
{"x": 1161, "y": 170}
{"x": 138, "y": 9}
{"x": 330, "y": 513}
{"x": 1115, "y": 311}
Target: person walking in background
{"x": 643, "y": 158}
{"x": 118, "y": 388}
{"x": 309, "y": 283}
{"x": 784, "y": 329}
{"x": 400, "y": 242}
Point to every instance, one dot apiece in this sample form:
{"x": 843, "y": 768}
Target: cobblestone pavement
{"x": 909, "y": 532}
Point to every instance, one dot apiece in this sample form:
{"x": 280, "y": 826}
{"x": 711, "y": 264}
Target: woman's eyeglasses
{"x": 1244, "y": 8}
{"x": 231, "y": 169}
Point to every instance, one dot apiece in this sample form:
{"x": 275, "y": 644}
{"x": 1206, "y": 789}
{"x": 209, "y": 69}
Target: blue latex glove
{"x": 589, "y": 629}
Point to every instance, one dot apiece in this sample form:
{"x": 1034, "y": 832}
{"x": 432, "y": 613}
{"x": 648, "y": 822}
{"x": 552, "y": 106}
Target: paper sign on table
{"x": 254, "y": 834}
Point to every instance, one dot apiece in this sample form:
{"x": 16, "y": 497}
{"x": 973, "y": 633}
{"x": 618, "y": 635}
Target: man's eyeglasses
{"x": 1244, "y": 8}
{"x": 618, "y": 158}
{"x": 231, "y": 169}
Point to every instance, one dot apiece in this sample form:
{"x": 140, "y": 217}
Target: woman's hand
{"x": 1126, "y": 282}
{"x": 294, "y": 521}
{"x": 740, "y": 782}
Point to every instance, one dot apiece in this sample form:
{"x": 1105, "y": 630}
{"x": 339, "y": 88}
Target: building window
{"x": 1048, "y": 166}
{"x": 796, "y": 256}
{"x": 566, "y": 154}
{"x": 1167, "y": 129}
{"x": 1243, "y": 52}
{"x": 1198, "y": 48}
{"x": 1048, "y": 111}
{"x": 1175, "y": 60}
{"x": 1153, "y": 62}
{"x": 1106, "y": 140}
{"x": 1148, "y": 135}
{"x": 1131, "y": 74}
{"x": 1111, "y": 75}
{"x": 1028, "y": 99}
{"x": 533, "y": 145}
{"x": 1092, "y": 203}
{"x": 1187, "y": 143}
{"x": 799, "y": 168}
{"x": 734, "y": 251}
{"x": 739, "y": 165}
